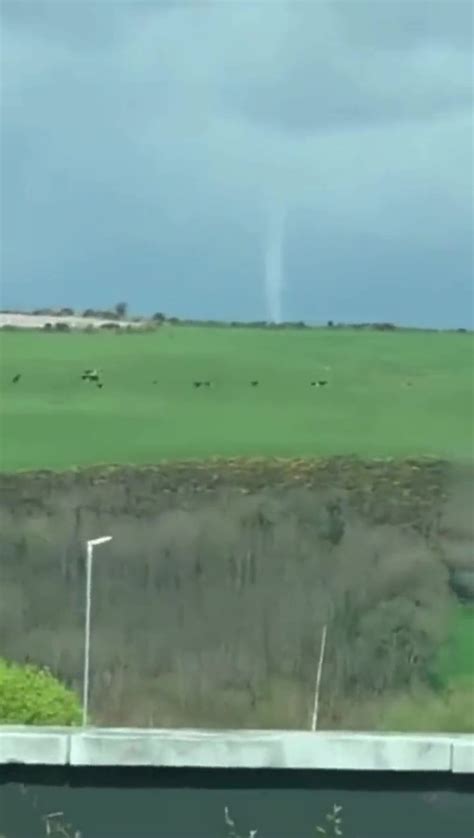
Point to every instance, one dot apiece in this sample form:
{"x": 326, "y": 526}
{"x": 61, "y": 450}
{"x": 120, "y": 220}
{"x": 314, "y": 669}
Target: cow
{"x": 90, "y": 375}
{"x": 254, "y": 383}
{"x": 16, "y": 378}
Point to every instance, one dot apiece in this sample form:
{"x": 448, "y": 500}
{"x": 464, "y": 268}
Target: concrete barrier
{"x": 35, "y": 746}
{"x": 181, "y": 748}
{"x": 463, "y": 755}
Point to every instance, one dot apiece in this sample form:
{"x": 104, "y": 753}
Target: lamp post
{"x": 93, "y": 542}
{"x": 314, "y": 719}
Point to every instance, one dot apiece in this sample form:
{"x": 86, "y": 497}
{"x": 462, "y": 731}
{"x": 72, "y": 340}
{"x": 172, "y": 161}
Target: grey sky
{"x": 143, "y": 144}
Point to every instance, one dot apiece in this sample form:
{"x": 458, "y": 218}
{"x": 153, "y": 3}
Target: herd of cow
{"x": 94, "y": 377}
{"x": 252, "y": 383}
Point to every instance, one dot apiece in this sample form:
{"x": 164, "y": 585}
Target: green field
{"x": 456, "y": 659}
{"x": 52, "y": 419}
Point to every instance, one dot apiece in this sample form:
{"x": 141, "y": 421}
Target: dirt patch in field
{"x": 39, "y": 321}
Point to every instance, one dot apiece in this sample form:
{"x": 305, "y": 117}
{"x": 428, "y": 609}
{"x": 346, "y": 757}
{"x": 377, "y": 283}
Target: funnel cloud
{"x": 274, "y": 263}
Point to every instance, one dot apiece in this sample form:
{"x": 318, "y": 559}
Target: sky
{"x": 148, "y": 147}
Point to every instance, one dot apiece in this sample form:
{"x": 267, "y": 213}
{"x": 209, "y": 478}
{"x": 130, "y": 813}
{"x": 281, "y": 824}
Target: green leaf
{"x": 31, "y": 695}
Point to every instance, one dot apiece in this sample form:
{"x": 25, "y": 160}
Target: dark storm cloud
{"x": 407, "y": 24}
{"x": 145, "y": 140}
{"x": 344, "y": 64}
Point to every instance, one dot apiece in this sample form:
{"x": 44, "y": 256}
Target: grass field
{"x": 456, "y": 659}
{"x": 52, "y": 419}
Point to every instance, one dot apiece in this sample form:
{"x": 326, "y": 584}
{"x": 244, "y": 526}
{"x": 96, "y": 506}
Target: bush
{"x": 384, "y": 327}
{"x": 31, "y": 695}
{"x": 121, "y": 310}
{"x": 449, "y": 711}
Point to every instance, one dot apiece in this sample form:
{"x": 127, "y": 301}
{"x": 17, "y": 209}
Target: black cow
{"x": 90, "y": 375}
{"x": 16, "y": 378}
{"x": 254, "y": 383}
{"x": 197, "y": 384}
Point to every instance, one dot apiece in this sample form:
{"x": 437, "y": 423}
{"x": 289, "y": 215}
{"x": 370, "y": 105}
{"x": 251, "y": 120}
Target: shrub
{"x": 384, "y": 327}
{"x": 449, "y": 711}
{"x": 121, "y": 310}
{"x": 31, "y": 695}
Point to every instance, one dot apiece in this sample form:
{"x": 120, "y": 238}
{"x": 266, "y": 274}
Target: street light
{"x": 93, "y": 542}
